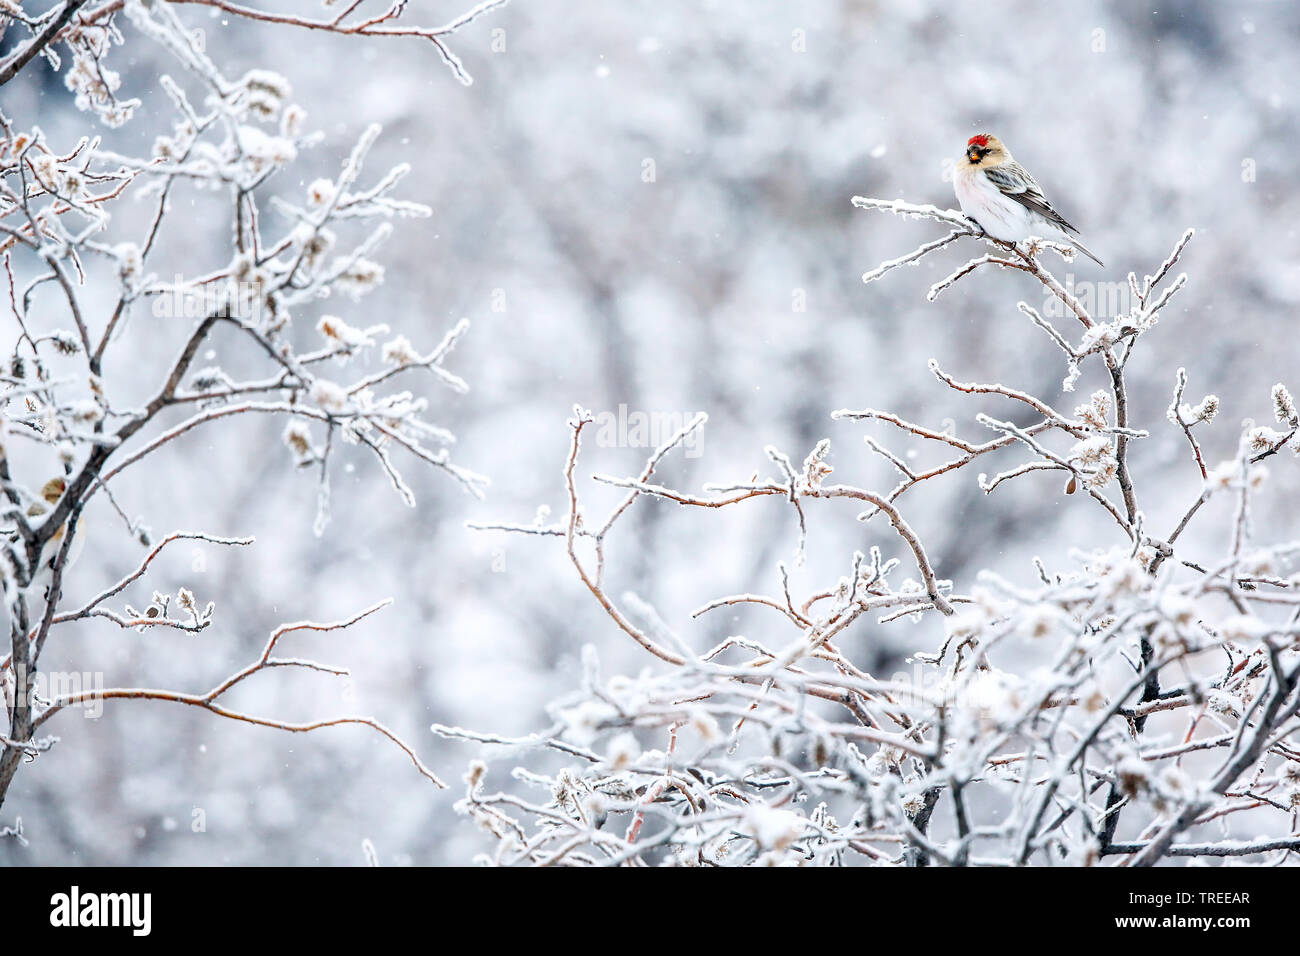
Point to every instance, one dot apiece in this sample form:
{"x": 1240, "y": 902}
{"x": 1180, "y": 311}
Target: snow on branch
{"x": 71, "y": 439}
{"x": 1136, "y": 700}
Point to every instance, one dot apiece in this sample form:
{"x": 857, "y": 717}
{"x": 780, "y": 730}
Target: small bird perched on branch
{"x": 51, "y": 492}
{"x": 1000, "y": 195}
{"x": 43, "y": 574}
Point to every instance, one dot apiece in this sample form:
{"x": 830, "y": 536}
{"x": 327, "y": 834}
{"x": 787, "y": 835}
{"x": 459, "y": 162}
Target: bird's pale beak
{"x": 972, "y": 155}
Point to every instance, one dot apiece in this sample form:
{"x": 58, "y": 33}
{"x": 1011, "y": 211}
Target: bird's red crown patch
{"x": 979, "y": 139}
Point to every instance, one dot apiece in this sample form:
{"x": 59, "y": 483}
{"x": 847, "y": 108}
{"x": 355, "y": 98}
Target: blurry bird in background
{"x": 1000, "y": 195}
{"x": 38, "y": 588}
{"x": 50, "y": 494}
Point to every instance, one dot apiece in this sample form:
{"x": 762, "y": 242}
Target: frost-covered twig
{"x": 1086, "y": 717}
{"x": 211, "y": 699}
{"x": 232, "y": 136}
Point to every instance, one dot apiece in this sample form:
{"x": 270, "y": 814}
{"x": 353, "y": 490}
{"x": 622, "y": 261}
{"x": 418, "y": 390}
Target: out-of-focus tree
{"x": 69, "y": 429}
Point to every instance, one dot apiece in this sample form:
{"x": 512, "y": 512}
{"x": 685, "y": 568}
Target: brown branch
{"x": 22, "y": 56}
{"x": 209, "y": 701}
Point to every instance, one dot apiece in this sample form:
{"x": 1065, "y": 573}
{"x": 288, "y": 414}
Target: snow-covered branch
{"x": 73, "y": 419}
{"x": 1136, "y": 700}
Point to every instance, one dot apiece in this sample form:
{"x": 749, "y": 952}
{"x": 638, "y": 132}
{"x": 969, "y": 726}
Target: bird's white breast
{"x": 1000, "y": 216}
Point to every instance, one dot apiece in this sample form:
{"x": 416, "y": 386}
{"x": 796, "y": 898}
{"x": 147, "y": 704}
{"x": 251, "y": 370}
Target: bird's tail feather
{"x": 1074, "y": 241}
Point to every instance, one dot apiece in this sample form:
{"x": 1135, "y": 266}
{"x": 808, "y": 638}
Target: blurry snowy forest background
{"x": 729, "y": 284}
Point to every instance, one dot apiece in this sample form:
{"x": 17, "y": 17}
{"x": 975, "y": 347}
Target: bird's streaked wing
{"x": 1015, "y": 183}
